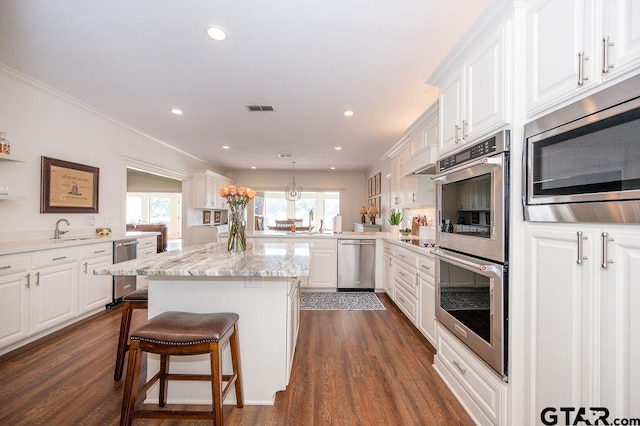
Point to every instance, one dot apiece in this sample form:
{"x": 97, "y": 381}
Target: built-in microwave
{"x": 582, "y": 162}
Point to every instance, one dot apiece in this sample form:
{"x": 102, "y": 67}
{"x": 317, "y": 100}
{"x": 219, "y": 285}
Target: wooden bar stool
{"x": 138, "y": 299}
{"x": 183, "y": 333}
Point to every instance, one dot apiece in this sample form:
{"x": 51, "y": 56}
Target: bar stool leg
{"x": 216, "y": 382}
{"x": 164, "y": 370}
{"x": 123, "y": 340}
{"x": 237, "y": 368}
{"x": 133, "y": 373}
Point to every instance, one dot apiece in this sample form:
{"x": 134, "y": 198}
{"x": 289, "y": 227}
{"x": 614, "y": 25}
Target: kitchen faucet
{"x": 56, "y": 235}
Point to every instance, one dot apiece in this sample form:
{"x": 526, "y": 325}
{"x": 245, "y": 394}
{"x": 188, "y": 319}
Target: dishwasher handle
{"x": 356, "y": 244}
{"x": 126, "y": 243}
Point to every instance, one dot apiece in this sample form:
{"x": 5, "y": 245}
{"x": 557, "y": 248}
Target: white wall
{"x": 352, "y": 187}
{"x": 38, "y": 122}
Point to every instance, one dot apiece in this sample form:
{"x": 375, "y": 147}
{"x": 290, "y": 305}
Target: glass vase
{"x": 237, "y": 241}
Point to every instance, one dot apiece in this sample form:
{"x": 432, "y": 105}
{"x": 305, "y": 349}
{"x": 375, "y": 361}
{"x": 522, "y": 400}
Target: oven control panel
{"x": 493, "y": 145}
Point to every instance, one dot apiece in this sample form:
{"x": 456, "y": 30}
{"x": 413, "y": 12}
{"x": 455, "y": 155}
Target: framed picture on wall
{"x": 206, "y": 217}
{"x": 216, "y": 217}
{"x": 68, "y": 187}
{"x": 378, "y": 184}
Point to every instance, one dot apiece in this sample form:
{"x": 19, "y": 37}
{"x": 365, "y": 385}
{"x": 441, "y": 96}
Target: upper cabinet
{"x": 577, "y": 56}
{"x": 206, "y": 190}
{"x": 473, "y": 90}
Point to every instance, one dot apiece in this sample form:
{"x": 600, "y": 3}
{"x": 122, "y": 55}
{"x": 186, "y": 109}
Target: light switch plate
{"x": 91, "y": 220}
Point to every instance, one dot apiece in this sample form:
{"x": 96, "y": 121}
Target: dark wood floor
{"x": 350, "y": 368}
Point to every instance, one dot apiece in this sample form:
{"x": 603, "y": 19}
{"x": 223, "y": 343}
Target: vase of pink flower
{"x": 237, "y": 198}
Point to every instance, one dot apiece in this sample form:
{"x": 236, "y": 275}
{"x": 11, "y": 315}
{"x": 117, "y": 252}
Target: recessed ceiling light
{"x": 176, "y": 111}
{"x": 338, "y": 148}
{"x": 226, "y": 147}
{"x": 332, "y": 168}
{"x": 216, "y": 33}
{"x": 349, "y": 113}
{"x": 253, "y": 167}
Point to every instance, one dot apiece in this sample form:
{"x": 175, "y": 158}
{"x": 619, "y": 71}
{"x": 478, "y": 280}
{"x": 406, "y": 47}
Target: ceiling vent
{"x": 260, "y": 108}
{"x": 284, "y": 155}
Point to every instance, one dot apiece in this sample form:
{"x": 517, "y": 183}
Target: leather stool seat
{"x": 135, "y": 300}
{"x": 183, "y": 333}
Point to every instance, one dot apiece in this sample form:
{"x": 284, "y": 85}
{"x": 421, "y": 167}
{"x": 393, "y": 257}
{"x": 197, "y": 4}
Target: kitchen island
{"x": 261, "y": 285}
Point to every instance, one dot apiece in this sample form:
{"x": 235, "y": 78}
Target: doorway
{"x": 156, "y": 200}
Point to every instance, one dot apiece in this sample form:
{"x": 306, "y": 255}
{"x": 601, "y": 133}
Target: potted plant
{"x": 395, "y": 218}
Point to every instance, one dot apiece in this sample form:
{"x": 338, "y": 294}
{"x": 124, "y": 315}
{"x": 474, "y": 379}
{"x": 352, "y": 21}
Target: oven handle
{"x": 484, "y": 268}
{"x": 496, "y": 159}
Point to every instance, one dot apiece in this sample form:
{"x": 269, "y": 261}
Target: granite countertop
{"x": 14, "y": 247}
{"x": 213, "y": 260}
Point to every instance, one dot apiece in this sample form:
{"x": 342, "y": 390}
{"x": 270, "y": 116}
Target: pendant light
{"x": 293, "y": 191}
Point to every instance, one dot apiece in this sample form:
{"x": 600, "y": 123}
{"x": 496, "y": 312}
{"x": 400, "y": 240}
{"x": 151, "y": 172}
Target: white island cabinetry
{"x": 147, "y": 246}
{"x": 582, "y": 294}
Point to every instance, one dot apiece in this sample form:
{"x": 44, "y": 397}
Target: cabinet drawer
{"x": 481, "y": 383}
{"x": 14, "y": 264}
{"x": 387, "y": 248}
{"x": 146, "y": 242}
{"x": 407, "y": 303}
{"x": 406, "y": 278}
{"x": 426, "y": 266}
{"x": 145, "y": 252}
{"x": 407, "y": 257}
{"x": 54, "y": 257}
{"x": 323, "y": 244}
{"x": 95, "y": 250}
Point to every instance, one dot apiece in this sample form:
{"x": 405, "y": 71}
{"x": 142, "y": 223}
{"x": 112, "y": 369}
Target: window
{"x": 159, "y": 211}
{"x": 325, "y": 206}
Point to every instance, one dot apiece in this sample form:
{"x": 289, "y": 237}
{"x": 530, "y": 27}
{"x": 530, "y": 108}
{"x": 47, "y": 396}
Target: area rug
{"x": 352, "y": 301}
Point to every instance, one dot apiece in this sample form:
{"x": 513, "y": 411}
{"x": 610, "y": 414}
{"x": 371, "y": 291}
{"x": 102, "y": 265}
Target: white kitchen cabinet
{"x": 405, "y": 282}
{"x": 592, "y": 42}
{"x": 293, "y": 321}
{"x": 95, "y": 291}
{"x": 54, "y": 288}
{"x": 206, "y": 190}
{"x": 427, "y": 296}
{"x": 147, "y": 246}
{"x": 473, "y": 100}
{"x": 14, "y": 298}
{"x": 387, "y": 270}
{"x": 418, "y": 191}
{"x": 323, "y": 272}
{"x": 582, "y": 325}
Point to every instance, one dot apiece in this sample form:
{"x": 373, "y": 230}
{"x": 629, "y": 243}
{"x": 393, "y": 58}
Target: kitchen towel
{"x": 337, "y": 224}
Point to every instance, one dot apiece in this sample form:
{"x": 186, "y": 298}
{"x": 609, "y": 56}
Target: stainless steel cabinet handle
{"x": 425, "y": 267}
{"x": 28, "y": 277}
{"x": 606, "y": 44}
{"x": 59, "y": 258}
{"x": 401, "y": 273}
{"x": 465, "y": 129}
{"x": 605, "y": 261}
{"x": 581, "y": 238}
{"x": 37, "y": 278}
{"x": 85, "y": 267}
{"x": 581, "y": 77}
{"x": 456, "y": 136}
{"x": 98, "y": 251}
{"x": 459, "y": 367}
{"x": 5, "y": 267}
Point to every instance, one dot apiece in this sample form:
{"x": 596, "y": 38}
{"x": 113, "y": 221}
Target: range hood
{"x": 422, "y": 162}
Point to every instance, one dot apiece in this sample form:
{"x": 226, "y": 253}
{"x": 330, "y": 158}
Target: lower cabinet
{"x": 476, "y": 386}
{"x": 583, "y": 321}
{"x": 54, "y": 288}
{"x": 427, "y": 316}
{"x": 95, "y": 290}
{"x": 14, "y": 298}
{"x": 293, "y": 320}
{"x": 46, "y": 289}
{"x": 147, "y": 246}
{"x": 387, "y": 272}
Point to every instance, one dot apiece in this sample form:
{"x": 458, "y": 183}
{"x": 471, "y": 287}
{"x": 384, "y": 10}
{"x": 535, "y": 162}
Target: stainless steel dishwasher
{"x": 356, "y": 265}
{"x": 123, "y": 250}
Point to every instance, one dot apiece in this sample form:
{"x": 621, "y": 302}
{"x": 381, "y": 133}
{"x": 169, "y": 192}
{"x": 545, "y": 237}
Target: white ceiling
{"x": 311, "y": 59}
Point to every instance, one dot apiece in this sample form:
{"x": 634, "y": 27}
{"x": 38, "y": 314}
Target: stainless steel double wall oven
{"x": 472, "y": 253}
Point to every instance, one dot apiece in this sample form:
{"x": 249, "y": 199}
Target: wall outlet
{"x": 91, "y": 220}
{"x": 253, "y": 282}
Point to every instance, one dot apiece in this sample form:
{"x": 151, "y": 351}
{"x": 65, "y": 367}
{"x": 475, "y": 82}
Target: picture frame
{"x": 216, "y": 217}
{"x": 68, "y": 187}
{"x": 475, "y": 218}
{"x": 206, "y": 217}
{"x": 378, "y": 184}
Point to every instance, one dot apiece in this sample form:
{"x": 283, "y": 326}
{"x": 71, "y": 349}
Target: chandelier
{"x": 293, "y": 191}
